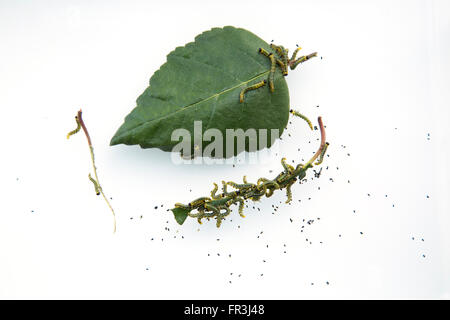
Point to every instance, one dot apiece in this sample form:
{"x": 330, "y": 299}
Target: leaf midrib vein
{"x": 201, "y": 101}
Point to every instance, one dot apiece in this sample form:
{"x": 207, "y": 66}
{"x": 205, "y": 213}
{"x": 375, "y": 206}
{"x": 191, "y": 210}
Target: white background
{"x": 381, "y": 87}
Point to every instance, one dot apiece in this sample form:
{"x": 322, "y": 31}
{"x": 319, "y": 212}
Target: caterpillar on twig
{"x": 218, "y": 206}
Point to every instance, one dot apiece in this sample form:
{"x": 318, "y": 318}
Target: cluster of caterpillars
{"x": 281, "y": 60}
{"x": 217, "y": 206}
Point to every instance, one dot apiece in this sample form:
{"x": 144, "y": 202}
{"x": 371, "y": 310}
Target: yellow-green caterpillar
{"x": 278, "y": 49}
{"x": 76, "y": 129}
{"x": 322, "y": 154}
{"x": 285, "y": 59}
{"x": 302, "y": 59}
{"x": 253, "y": 87}
{"x": 294, "y": 54}
{"x": 95, "y": 183}
{"x": 272, "y": 72}
{"x": 298, "y": 114}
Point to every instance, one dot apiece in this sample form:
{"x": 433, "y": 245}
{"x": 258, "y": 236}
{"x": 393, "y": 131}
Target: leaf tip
{"x": 115, "y": 140}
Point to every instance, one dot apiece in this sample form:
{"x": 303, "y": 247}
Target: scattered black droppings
{"x": 317, "y": 173}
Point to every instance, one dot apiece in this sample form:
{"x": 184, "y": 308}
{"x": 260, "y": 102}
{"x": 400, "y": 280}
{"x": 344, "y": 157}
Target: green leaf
{"x": 202, "y": 81}
{"x": 180, "y": 214}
